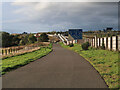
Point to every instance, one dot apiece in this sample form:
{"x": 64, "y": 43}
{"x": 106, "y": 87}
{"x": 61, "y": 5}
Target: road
{"x": 61, "y": 68}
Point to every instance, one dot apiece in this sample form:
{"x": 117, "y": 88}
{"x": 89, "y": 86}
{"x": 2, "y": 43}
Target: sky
{"x": 33, "y": 17}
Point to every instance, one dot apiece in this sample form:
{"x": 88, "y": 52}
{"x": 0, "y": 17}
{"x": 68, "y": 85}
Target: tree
{"x": 25, "y": 39}
{"x": 43, "y": 37}
{"x": 6, "y": 39}
{"x": 31, "y": 38}
{"x": 24, "y": 33}
{"x": 22, "y": 42}
{"x": 15, "y": 40}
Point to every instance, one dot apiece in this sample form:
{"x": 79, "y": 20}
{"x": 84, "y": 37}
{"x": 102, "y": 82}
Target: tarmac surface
{"x": 61, "y": 68}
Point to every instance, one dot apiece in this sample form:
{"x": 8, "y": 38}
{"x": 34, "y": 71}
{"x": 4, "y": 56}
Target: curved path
{"x": 61, "y": 68}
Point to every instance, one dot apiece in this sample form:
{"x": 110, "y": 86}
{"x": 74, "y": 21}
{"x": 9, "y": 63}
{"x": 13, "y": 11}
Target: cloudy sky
{"x": 18, "y": 17}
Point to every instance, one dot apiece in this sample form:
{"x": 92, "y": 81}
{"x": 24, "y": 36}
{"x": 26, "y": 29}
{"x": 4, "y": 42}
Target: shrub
{"x": 71, "y": 45}
{"x": 43, "y": 37}
{"x": 85, "y": 46}
{"x": 88, "y": 44}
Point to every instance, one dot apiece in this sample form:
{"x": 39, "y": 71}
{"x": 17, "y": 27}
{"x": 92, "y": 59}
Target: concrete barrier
{"x": 96, "y": 43}
{"x": 114, "y": 43}
{"x": 111, "y": 43}
{"x": 101, "y": 41}
{"x": 98, "y": 40}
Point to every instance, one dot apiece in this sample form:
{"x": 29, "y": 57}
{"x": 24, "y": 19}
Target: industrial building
{"x": 75, "y": 35}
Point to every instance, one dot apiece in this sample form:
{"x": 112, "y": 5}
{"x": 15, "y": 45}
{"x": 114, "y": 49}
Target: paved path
{"x": 61, "y": 68}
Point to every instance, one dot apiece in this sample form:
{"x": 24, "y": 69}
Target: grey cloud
{"x": 80, "y": 15}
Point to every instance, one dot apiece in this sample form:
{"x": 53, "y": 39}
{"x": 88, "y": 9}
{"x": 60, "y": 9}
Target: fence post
{"x": 96, "y": 45}
{"x": 7, "y": 51}
{"x": 93, "y": 42}
{"x": 98, "y": 42}
{"x": 106, "y": 41}
{"x": 10, "y": 50}
{"x": 118, "y": 42}
{"x": 4, "y": 53}
{"x": 109, "y": 43}
{"x": 114, "y": 43}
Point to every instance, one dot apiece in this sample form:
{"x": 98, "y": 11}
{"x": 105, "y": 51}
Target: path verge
{"x": 14, "y": 62}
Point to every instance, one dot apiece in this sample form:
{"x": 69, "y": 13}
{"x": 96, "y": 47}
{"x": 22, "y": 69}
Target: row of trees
{"x": 21, "y": 39}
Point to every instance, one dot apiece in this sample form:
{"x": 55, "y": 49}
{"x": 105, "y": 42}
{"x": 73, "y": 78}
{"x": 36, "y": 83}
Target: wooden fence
{"x": 110, "y": 43}
{"x": 21, "y": 49}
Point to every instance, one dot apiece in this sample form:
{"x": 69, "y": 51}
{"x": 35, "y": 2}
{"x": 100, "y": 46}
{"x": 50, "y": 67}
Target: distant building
{"x": 75, "y": 35}
{"x": 37, "y": 34}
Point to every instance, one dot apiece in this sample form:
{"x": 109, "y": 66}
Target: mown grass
{"x": 104, "y": 61}
{"x": 14, "y": 62}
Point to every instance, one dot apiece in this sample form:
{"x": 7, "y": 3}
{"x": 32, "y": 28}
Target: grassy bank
{"x": 104, "y": 61}
{"x": 14, "y": 62}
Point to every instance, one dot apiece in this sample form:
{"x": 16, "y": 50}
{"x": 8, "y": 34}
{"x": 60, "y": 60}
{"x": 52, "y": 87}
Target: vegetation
{"x": 14, "y": 62}
{"x": 9, "y": 40}
{"x": 27, "y": 39}
{"x": 85, "y": 46}
{"x": 71, "y": 45}
{"x": 6, "y": 39}
{"x": 43, "y": 37}
{"x": 101, "y": 33}
{"x": 65, "y": 46}
{"x": 24, "y": 33}
{"x": 104, "y": 61}
{"x": 16, "y": 40}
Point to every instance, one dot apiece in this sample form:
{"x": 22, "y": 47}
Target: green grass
{"x": 104, "y": 61}
{"x": 14, "y": 62}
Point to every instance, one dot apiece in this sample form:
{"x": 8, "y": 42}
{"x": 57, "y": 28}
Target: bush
{"x": 85, "y": 46}
{"x": 88, "y": 44}
{"x": 71, "y": 45}
{"x": 43, "y": 37}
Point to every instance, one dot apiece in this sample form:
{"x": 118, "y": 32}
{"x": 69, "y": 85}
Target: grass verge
{"x": 104, "y": 61}
{"x": 14, "y": 62}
